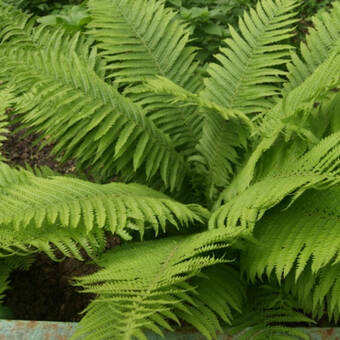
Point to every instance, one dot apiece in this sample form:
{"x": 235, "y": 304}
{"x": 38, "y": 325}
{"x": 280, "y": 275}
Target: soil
{"x": 19, "y": 150}
{"x": 44, "y": 292}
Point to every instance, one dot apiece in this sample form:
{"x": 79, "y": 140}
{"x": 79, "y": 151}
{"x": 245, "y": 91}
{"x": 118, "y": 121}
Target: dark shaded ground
{"x": 18, "y": 149}
{"x": 44, "y": 292}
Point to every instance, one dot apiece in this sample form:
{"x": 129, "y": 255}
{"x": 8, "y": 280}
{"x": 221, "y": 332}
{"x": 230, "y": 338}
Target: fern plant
{"x": 230, "y": 183}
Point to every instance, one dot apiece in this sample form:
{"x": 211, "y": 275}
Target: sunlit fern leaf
{"x": 315, "y": 169}
{"x": 320, "y": 42}
{"x": 18, "y": 29}
{"x": 142, "y": 39}
{"x": 144, "y": 286}
{"x": 54, "y": 240}
{"x": 248, "y": 68}
{"x": 332, "y": 110}
{"x": 289, "y": 119}
{"x": 88, "y": 119}
{"x": 30, "y": 201}
{"x": 179, "y": 95}
{"x": 307, "y": 232}
{"x": 247, "y": 76}
{"x": 6, "y": 99}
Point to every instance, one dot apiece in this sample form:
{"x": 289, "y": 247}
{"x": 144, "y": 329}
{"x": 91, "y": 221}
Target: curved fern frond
{"x": 51, "y": 239}
{"x": 317, "y": 168}
{"x": 6, "y": 99}
{"x": 307, "y": 233}
{"x": 30, "y": 201}
{"x": 223, "y": 127}
{"x": 292, "y": 116}
{"x": 140, "y": 39}
{"x": 88, "y": 119}
{"x": 179, "y": 95}
{"x": 245, "y": 79}
{"x": 144, "y": 285}
{"x": 321, "y": 41}
{"x": 248, "y": 70}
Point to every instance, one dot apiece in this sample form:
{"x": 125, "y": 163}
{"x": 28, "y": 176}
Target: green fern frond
{"x": 177, "y": 94}
{"x": 140, "y": 39}
{"x": 245, "y": 79}
{"x": 223, "y": 127}
{"x": 315, "y": 169}
{"x": 268, "y": 310}
{"x": 288, "y": 119}
{"x": 6, "y": 99}
{"x": 308, "y": 232}
{"x": 219, "y": 294}
{"x": 258, "y": 325}
{"x": 265, "y": 315}
{"x": 144, "y": 285}
{"x": 30, "y": 201}
{"x": 321, "y": 41}
{"x": 54, "y": 240}
{"x": 248, "y": 70}
{"x": 66, "y": 98}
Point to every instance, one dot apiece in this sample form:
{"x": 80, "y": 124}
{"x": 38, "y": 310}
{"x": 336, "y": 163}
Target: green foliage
{"x": 209, "y": 20}
{"x": 242, "y": 164}
{"x": 64, "y": 212}
{"x": 147, "y": 284}
{"x": 72, "y": 18}
{"x": 268, "y": 308}
{"x": 6, "y": 98}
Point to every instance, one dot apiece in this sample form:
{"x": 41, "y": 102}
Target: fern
{"x": 156, "y": 44}
{"x": 117, "y": 125}
{"x": 300, "y": 233}
{"x": 268, "y": 308}
{"x": 144, "y": 29}
{"x": 247, "y": 72}
{"x": 6, "y": 98}
{"x": 320, "y": 42}
{"x": 317, "y": 168}
{"x": 146, "y": 284}
{"x": 288, "y": 118}
{"x": 30, "y": 201}
{"x": 255, "y": 144}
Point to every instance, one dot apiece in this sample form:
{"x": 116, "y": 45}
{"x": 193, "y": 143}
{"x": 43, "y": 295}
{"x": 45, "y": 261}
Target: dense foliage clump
{"x": 230, "y": 180}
